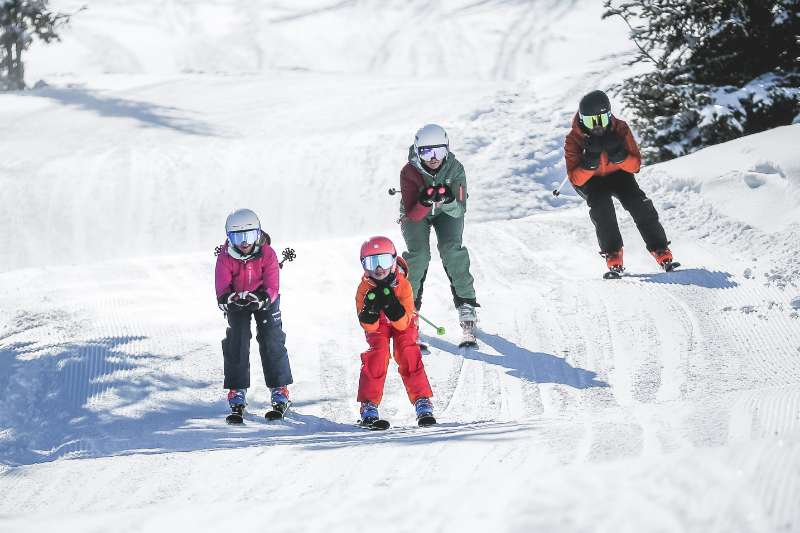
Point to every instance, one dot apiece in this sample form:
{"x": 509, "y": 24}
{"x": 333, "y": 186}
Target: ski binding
{"x": 426, "y": 420}
{"x": 377, "y": 424}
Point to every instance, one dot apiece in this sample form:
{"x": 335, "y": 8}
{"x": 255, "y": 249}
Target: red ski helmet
{"x": 378, "y": 246}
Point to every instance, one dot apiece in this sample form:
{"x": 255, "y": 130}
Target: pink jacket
{"x": 259, "y": 272}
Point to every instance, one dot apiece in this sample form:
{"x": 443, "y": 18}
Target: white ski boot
{"x": 468, "y": 318}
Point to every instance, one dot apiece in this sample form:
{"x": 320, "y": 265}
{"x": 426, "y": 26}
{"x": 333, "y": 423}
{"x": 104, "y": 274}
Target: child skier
{"x": 601, "y": 157}
{"x": 433, "y": 185}
{"x": 385, "y": 308}
{"x": 247, "y": 281}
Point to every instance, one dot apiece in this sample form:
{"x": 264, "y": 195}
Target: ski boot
{"x": 424, "y": 409}
{"x": 614, "y": 264}
{"x": 370, "y": 418}
{"x": 280, "y": 403}
{"x": 468, "y": 318}
{"x": 237, "y": 403}
{"x": 664, "y": 259}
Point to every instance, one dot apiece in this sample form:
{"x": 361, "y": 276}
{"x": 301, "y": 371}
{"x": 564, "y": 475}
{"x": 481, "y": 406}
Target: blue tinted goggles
{"x": 372, "y": 262}
{"x": 239, "y": 238}
{"x": 426, "y": 153}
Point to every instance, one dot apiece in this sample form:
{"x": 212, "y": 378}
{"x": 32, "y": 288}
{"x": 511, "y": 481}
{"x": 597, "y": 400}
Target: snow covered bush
{"x": 722, "y": 69}
{"x": 20, "y": 22}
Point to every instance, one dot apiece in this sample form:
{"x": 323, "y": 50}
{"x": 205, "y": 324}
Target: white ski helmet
{"x": 431, "y": 135}
{"x": 242, "y": 220}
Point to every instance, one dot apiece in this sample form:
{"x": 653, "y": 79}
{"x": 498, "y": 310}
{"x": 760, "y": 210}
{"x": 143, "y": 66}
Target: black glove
{"x": 248, "y": 301}
{"x": 592, "y": 148}
{"x": 225, "y": 300}
{"x": 427, "y": 196}
{"x": 615, "y": 147}
{"x": 392, "y": 307}
{"x": 446, "y": 194}
{"x": 373, "y": 302}
{"x": 435, "y": 194}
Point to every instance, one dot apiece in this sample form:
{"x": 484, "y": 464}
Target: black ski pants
{"x": 271, "y": 346}
{"x": 598, "y": 192}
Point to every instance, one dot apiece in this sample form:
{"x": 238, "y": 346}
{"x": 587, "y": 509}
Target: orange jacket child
{"x": 385, "y": 308}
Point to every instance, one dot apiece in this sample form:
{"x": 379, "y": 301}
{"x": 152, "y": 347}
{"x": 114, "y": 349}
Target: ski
{"x": 425, "y": 421}
{"x": 277, "y": 412}
{"x": 236, "y": 418}
{"x": 375, "y": 425}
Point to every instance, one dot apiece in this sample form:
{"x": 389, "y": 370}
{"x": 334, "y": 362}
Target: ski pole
{"x": 393, "y": 191}
{"x": 556, "y": 192}
{"x": 439, "y": 331}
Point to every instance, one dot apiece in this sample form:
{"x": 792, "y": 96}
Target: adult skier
{"x": 433, "y": 185}
{"x": 385, "y": 308}
{"x": 601, "y": 158}
{"x": 247, "y": 280}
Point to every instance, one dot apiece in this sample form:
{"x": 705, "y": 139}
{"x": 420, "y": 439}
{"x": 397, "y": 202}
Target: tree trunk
{"x": 8, "y": 65}
{"x": 19, "y": 69}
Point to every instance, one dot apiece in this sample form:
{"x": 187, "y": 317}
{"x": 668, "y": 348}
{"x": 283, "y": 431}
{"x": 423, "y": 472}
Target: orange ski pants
{"x": 375, "y": 362}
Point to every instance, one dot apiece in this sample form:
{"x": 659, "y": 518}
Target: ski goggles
{"x": 372, "y": 262}
{"x": 593, "y": 121}
{"x": 239, "y": 238}
{"x": 426, "y": 153}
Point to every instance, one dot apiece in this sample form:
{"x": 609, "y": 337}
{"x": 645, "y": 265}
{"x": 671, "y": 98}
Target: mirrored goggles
{"x": 593, "y": 121}
{"x": 426, "y": 153}
{"x": 239, "y": 238}
{"x": 372, "y": 262}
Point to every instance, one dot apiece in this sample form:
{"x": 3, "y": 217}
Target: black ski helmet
{"x": 594, "y": 103}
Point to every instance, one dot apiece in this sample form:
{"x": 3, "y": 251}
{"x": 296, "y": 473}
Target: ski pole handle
{"x": 556, "y": 192}
{"x": 439, "y": 330}
{"x": 393, "y": 191}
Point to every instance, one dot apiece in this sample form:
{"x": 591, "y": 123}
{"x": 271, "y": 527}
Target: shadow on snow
{"x": 150, "y": 115}
{"x": 537, "y": 367}
{"x": 96, "y": 399}
{"x": 699, "y": 277}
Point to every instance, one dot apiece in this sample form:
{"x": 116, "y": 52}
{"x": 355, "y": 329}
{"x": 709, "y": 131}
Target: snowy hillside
{"x": 659, "y": 402}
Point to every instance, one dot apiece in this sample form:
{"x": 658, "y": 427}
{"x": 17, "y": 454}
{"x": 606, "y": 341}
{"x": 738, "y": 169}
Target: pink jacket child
{"x": 247, "y": 281}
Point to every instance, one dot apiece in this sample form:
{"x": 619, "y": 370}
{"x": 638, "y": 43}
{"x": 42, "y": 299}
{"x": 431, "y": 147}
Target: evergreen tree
{"x": 20, "y": 22}
{"x": 722, "y": 69}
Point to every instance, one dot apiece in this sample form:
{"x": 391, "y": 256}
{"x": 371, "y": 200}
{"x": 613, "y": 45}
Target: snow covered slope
{"x": 659, "y": 402}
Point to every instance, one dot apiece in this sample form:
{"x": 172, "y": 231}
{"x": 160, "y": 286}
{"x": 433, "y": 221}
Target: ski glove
{"x": 392, "y": 307}
{"x": 225, "y": 301}
{"x": 435, "y": 194}
{"x": 615, "y": 148}
{"x": 592, "y": 148}
{"x": 373, "y": 301}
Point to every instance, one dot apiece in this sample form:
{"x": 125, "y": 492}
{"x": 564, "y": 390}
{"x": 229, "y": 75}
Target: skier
{"x": 433, "y": 186}
{"x": 601, "y": 157}
{"x": 385, "y": 307}
{"x": 247, "y": 281}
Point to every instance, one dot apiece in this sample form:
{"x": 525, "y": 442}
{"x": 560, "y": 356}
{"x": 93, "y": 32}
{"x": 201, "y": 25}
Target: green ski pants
{"x": 455, "y": 257}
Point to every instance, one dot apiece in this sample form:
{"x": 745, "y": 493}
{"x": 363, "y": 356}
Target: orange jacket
{"x": 573, "y": 148}
{"x": 402, "y": 289}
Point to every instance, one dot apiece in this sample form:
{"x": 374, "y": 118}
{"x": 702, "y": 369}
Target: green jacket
{"x": 414, "y": 177}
